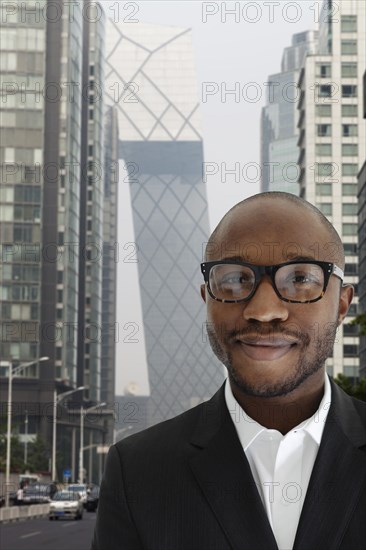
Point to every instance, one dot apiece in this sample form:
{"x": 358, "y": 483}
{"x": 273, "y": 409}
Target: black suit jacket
{"x": 186, "y": 484}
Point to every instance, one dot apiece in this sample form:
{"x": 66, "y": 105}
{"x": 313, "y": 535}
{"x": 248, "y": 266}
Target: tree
{"x": 361, "y": 321}
{"x": 38, "y": 455}
{"x": 17, "y": 450}
{"x": 355, "y": 390}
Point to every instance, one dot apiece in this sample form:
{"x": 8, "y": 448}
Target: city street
{"x": 42, "y": 534}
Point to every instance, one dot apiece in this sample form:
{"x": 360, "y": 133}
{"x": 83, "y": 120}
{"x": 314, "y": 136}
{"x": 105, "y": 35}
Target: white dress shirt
{"x": 281, "y": 464}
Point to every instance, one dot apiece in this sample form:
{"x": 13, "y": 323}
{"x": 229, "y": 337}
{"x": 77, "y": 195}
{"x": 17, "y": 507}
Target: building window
{"x": 325, "y": 90}
{"x": 59, "y": 296}
{"x": 349, "y": 70}
{"x": 349, "y": 169}
{"x": 323, "y": 70}
{"x": 352, "y": 311}
{"x": 349, "y": 209}
{"x": 349, "y": 149}
{"x": 349, "y": 90}
{"x": 350, "y": 269}
{"x": 323, "y": 149}
{"x": 349, "y": 189}
{"x": 349, "y": 228}
{"x": 323, "y": 110}
{"x": 349, "y": 110}
{"x": 324, "y": 189}
{"x": 324, "y": 169}
{"x": 350, "y": 330}
{"x": 349, "y": 23}
{"x": 324, "y": 130}
{"x": 350, "y": 350}
{"x": 326, "y": 208}
{"x": 350, "y": 249}
{"x": 349, "y": 130}
{"x": 348, "y": 47}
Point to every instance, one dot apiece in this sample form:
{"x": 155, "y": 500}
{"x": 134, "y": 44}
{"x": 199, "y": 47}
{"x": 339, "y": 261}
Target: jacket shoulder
{"x": 172, "y": 434}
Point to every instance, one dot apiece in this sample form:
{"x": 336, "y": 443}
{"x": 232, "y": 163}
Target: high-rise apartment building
{"x": 150, "y": 76}
{"x": 332, "y": 144}
{"x": 279, "y": 135}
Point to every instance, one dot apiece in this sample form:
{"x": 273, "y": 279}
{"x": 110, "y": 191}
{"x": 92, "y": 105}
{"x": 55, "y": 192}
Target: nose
{"x": 265, "y": 305}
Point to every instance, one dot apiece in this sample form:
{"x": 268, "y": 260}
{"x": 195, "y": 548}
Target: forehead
{"x": 269, "y": 232}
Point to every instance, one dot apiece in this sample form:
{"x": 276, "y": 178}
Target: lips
{"x": 266, "y": 349}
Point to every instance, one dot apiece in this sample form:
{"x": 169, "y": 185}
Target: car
{"x": 66, "y": 504}
{"x": 37, "y": 493}
{"x": 92, "y": 499}
{"x": 80, "y": 488}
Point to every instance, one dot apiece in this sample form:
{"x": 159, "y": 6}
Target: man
{"x": 277, "y": 458}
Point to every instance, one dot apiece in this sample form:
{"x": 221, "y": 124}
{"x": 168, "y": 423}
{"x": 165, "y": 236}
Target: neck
{"x": 283, "y": 413}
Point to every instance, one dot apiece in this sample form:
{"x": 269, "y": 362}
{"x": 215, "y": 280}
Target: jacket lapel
{"x": 223, "y": 473}
{"x": 337, "y": 480}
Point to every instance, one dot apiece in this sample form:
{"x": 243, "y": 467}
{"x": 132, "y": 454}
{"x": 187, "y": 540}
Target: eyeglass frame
{"x": 328, "y": 268}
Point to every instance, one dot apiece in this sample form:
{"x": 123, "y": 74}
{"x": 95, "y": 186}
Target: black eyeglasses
{"x": 298, "y": 282}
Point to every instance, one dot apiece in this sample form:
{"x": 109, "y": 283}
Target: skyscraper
{"x": 52, "y": 144}
{"x": 150, "y": 77}
{"x": 332, "y": 144}
{"x": 362, "y": 243}
{"x": 279, "y": 135}
{"x": 110, "y": 257}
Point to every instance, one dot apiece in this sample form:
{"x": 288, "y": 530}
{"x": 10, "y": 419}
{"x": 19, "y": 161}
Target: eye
{"x": 237, "y": 278}
{"x": 300, "y": 279}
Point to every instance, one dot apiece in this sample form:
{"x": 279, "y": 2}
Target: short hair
{"x": 287, "y": 197}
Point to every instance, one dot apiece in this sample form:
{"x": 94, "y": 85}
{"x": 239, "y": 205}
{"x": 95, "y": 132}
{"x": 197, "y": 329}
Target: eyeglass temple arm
{"x": 338, "y": 272}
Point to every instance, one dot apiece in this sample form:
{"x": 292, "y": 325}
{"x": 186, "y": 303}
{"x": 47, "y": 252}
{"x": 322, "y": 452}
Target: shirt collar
{"x": 248, "y": 429}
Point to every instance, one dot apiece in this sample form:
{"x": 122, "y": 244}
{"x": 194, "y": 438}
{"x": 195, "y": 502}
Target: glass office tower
{"x": 151, "y": 79}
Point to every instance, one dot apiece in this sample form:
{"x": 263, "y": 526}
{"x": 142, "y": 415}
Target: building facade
{"x": 151, "y": 79}
{"x": 331, "y": 142}
{"x": 362, "y": 244}
{"x": 49, "y": 150}
{"x": 110, "y": 260}
{"x": 279, "y": 135}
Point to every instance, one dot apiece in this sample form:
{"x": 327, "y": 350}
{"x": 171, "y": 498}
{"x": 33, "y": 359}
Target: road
{"x": 42, "y": 534}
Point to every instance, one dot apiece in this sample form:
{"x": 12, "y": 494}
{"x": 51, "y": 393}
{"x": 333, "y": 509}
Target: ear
{"x": 345, "y": 299}
{"x": 203, "y": 292}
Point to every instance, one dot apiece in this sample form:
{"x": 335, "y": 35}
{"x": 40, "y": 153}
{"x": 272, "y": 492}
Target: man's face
{"x": 270, "y": 347}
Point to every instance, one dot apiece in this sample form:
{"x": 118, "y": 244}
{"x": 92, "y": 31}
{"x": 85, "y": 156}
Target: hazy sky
{"x": 245, "y": 48}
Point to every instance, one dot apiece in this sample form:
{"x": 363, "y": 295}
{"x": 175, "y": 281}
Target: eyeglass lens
{"x": 298, "y": 282}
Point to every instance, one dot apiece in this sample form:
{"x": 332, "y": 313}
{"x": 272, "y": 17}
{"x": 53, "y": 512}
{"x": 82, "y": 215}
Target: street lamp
{"x": 58, "y": 399}
{"x": 26, "y": 438}
{"x": 81, "y": 451}
{"x": 12, "y": 374}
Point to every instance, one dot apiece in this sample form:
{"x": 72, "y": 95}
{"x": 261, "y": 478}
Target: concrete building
{"x": 279, "y": 134}
{"x": 331, "y": 141}
{"x": 150, "y": 76}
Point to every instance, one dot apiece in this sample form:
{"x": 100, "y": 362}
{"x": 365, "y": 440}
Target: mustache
{"x": 254, "y": 332}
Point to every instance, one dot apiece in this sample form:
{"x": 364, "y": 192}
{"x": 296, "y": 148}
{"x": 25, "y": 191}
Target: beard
{"x": 310, "y": 361}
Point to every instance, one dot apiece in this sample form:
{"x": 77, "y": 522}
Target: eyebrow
{"x": 290, "y": 258}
